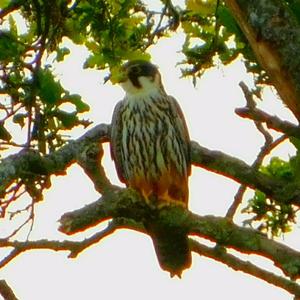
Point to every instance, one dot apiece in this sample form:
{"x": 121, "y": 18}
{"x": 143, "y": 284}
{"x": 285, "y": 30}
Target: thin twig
{"x": 157, "y": 29}
{"x": 8, "y": 258}
{"x": 30, "y": 219}
{"x": 268, "y": 146}
{"x": 265, "y": 150}
{"x": 272, "y": 122}
{"x": 75, "y": 248}
{"x": 112, "y": 226}
{"x": 12, "y": 112}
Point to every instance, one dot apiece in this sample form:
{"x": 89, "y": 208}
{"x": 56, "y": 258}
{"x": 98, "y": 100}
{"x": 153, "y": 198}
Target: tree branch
{"x": 128, "y": 210}
{"x": 238, "y": 170}
{"x": 264, "y": 151}
{"x": 272, "y": 31}
{"x": 75, "y": 248}
{"x": 26, "y": 163}
{"x": 272, "y": 122}
{"x": 127, "y": 204}
{"x": 90, "y": 161}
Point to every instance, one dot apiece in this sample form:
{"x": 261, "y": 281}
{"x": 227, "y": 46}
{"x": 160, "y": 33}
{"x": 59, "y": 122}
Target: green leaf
{"x": 279, "y": 169}
{"x": 12, "y": 26}
{"x": 225, "y": 18}
{"x": 77, "y": 101}
{"x": 95, "y": 60}
{"x": 8, "y": 46}
{"x": 74, "y": 31}
{"x": 259, "y": 203}
{"x": 138, "y": 55}
{"x": 201, "y": 7}
{"x": 68, "y": 120}
{"x": 295, "y": 142}
{"x": 295, "y": 8}
{"x": 275, "y": 218}
{"x": 49, "y": 90}
{"x": 19, "y": 119}
{"x": 4, "y": 134}
{"x": 61, "y": 53}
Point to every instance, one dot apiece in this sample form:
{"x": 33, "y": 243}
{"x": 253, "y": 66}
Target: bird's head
{"x": 139, "y": 77}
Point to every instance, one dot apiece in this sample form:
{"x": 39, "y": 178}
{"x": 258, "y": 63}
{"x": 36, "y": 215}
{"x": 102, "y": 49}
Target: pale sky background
{"x": 124, "y": 265}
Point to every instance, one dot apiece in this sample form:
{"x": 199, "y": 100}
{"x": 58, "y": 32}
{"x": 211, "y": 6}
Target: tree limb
{"x": 273, "y": 33}
{"x": 126, "y": 203}
{"x": 272, "y": 122}
{"x": 75, "y": 248}
{"x": 26, "y": 163}
{"x": 128, "y": 210}
{"x": 268, "y": 146}
{"x": 238, "y": 170}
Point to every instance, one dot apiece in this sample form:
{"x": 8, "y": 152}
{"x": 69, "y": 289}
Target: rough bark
{"x": 274, "y": 35}
{"x": 128, "y": 210}
{"x": 124, "y": 203}
{"x": 26, "y": 163}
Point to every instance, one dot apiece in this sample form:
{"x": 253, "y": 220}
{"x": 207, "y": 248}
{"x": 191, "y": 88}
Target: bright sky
{"x": 124, "y": 265}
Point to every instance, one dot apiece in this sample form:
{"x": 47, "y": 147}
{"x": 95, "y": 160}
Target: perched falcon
{"x": 150, "y": 146}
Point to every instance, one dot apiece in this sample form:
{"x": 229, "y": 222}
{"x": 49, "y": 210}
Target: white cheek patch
{"x": 128, "y": 87}
{"x": 148, "y": 86}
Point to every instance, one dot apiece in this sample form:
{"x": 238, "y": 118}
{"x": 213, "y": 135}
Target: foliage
{"x": 212, "y": 35}
{"x": 273, "y": 217}
{"x": 33, "y": 102}
{"x": 112, "y": 31}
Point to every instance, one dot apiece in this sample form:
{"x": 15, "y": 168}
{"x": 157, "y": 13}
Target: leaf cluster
{"x": 31, "y": 31}
{"x": 31, "y": 97}
{"x": 112, "y": 31}
{"x": 272, "y": 216}
{"x": 35, "y": 102}
{"x": 213, "y": 36}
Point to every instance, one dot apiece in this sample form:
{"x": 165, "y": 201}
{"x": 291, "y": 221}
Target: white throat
{"x": 148, "y": 88}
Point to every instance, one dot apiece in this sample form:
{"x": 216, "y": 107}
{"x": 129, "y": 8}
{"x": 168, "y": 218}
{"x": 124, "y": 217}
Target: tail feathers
{"x": 171, "y": 245}
{"x": 172, "y": 250}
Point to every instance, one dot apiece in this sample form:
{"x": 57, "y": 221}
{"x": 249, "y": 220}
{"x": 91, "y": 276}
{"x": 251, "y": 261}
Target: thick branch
{"x": 128, "y": 210}
{"x": 273, "y": 33}
{"x": 125, "y": 203}
{"x": 26, "y": 164}
{"x": 90, "y": 161}
{"x": 241, "y": 172}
